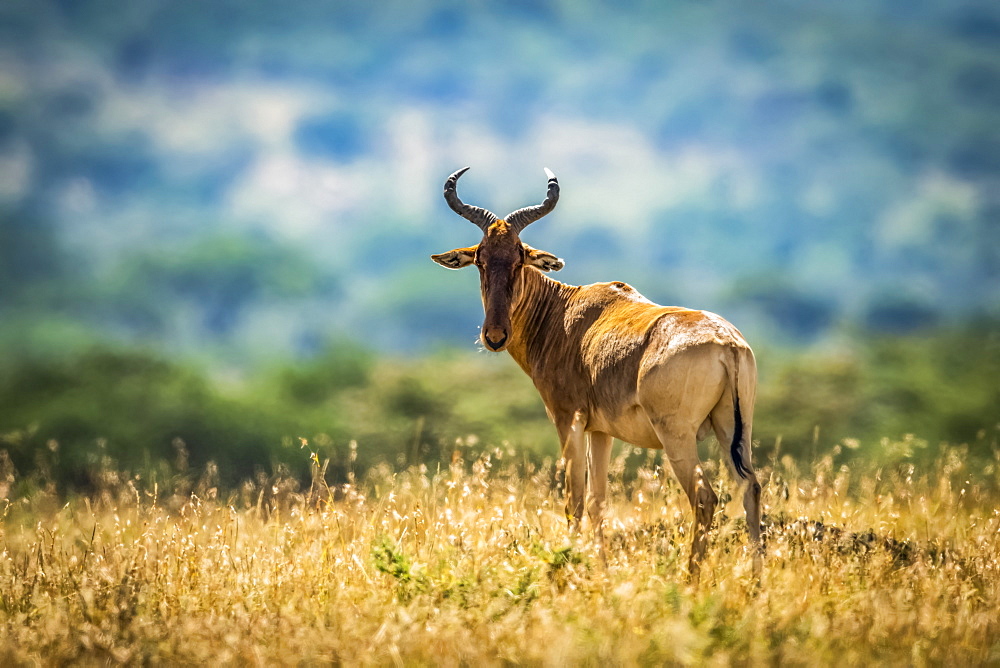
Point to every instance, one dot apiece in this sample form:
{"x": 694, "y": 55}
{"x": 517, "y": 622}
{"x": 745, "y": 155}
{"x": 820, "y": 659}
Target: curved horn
{"x": 480, "y": 217}
{"x": 521, "y": 218}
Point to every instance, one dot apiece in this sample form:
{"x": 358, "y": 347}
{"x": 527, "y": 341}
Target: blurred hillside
{"x": 891, "y": 402}
{"x": 235, "y": 180}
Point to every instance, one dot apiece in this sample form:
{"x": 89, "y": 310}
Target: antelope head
{"x": 500, "y": 256}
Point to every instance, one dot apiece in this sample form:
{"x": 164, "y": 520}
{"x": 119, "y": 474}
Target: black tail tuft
{"x": 735, "y": 450}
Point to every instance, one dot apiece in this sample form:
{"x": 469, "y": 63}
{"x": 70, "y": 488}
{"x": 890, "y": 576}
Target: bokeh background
{"x": 216, "y": 216}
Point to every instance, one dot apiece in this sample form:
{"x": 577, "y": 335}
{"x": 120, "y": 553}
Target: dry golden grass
{"x": 474, "y": 565}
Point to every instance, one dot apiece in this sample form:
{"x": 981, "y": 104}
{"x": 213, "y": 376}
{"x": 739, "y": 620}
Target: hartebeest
{"x": 610, "y": 363}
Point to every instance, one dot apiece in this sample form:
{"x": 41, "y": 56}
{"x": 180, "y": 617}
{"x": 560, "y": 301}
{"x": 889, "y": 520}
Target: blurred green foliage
{"x": 940, "y": 387}
{"x": 65, "y": 418}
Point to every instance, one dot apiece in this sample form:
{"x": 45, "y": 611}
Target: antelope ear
{"x": 542, "y": 260}
{"x": 456, "y": 259}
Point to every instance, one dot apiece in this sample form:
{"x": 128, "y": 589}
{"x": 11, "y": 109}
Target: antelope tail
{"x": 739, "y": 454}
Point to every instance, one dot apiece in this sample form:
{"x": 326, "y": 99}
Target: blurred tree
{"x": 979, "y": 83}
{"x": 342, "y": 366}
{"x": 976, "y": 155}
{"x": 899, "y": 312}
{"x": 796, "y": 315}
{"x": 977, "y": 24}
{"x": 31, "y": 257}
{"x": 131, "y": 407}
{"x": 222, "y": 276}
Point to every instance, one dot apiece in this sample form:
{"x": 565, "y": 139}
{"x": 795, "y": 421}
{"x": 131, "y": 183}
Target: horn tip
{"x": 452, "y": 181}
{"x": 454, "y": 177}
{"x": 548, "y": 173}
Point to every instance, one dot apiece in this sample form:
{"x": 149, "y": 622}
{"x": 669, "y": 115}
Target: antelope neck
{"x": 537, "y": 318}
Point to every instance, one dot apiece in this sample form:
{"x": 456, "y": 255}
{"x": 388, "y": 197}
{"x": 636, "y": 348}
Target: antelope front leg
{"x": 600, "y": 457}
{"x": 574, "y": 452}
